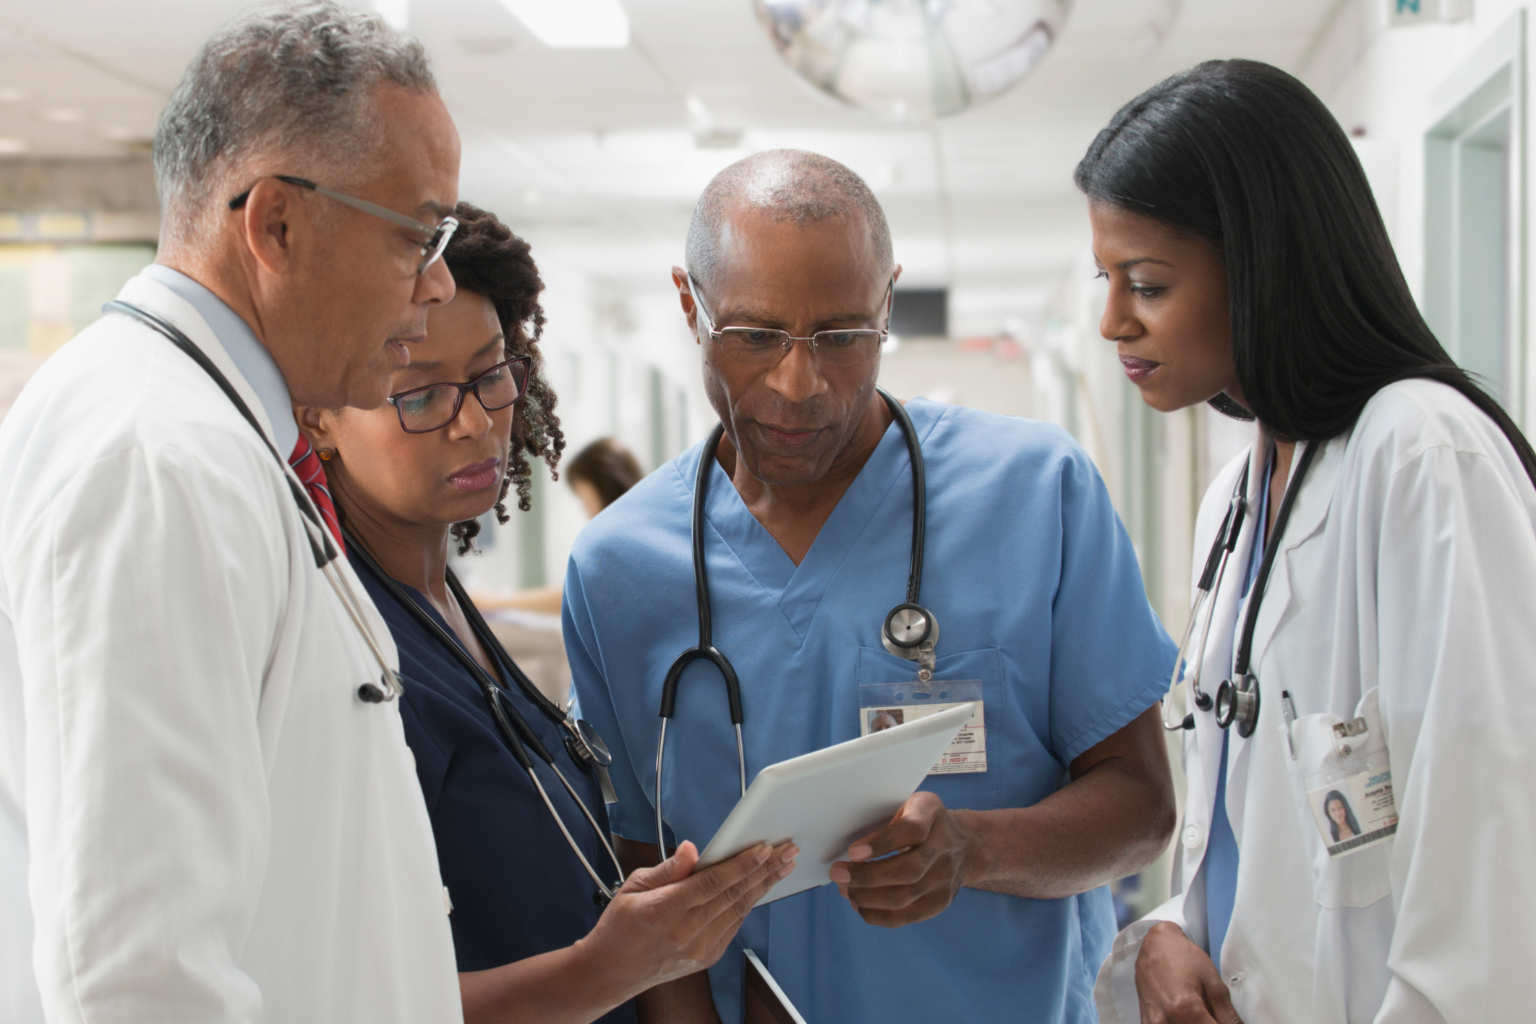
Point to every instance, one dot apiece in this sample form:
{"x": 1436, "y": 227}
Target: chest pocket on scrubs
{"x": 1343, "y": 785}
{"x": 1002, "y": 720}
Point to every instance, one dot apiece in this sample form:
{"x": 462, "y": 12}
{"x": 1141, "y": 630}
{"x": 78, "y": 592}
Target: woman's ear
{"x": 319, "y": 425}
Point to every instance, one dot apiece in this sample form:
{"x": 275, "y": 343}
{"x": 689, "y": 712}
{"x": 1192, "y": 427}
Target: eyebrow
{"x": 765, "y": 319}
{"x": 1128, "y": 264}
{"x": 434, "y": 208}
{"x": 432, "y": 364}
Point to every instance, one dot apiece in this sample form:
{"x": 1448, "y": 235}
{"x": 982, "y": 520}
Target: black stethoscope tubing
{"x": 706, "y": 650}
{"x": 319, "y": 536}
{"x": 1237, "y": 698}
{"x": 514, "y": 730}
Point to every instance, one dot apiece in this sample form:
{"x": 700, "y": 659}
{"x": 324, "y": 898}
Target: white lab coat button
{"x": 447, "y": 901}
{"x": 1194, "y": 835}
{"x": 1235, "y": 980}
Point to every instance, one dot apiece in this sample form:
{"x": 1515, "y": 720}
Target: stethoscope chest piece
{"x": 1237, "y": 704}
{"x": 584, "y": 744}
{"x": 910, "y": 631}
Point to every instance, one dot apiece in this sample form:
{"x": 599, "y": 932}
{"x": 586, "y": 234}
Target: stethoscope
{"x": 1237, "y": 698}
{"x": 910, "y": 631}
{"x": 324, "y": 551}
{"x": 581, "y": 740}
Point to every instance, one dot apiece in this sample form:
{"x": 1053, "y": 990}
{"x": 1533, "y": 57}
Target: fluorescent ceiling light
{"x": 11, "y": 147}
{"x": 573, "y": 23}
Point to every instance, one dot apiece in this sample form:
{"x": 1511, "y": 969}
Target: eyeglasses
{"x": 765, "y": 347}
{"x": 433, "y": 239}
{"x": 434, "y": 406}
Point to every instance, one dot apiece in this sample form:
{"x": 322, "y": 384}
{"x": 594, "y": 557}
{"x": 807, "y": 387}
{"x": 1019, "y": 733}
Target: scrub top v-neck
{"x": 517, "y": 889}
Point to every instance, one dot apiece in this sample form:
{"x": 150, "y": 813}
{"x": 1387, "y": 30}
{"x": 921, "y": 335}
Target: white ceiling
{"x": 596, "y": 148}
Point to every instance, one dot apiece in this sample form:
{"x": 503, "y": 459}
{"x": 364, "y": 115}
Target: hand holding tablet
{"x": 826, "y": 799}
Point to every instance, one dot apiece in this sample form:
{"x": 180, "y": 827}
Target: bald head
{"x": 785, "y": 185}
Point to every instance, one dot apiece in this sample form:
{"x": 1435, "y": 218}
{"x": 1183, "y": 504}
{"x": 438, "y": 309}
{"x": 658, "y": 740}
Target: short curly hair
{"x": 486, "y": 258}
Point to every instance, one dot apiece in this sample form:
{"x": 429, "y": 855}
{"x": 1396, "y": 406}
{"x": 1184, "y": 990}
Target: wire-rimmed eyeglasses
{"x": 434, "y": 406}
{"x": 765, "y": 347}
{"x": 433, "y": 238}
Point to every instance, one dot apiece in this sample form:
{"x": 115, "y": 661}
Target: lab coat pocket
{"x": 1343, "y": 787}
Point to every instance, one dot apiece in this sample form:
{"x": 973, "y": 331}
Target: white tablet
{"x": 826, "y": 799}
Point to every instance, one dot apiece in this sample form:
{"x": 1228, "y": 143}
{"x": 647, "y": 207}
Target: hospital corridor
{"x": 766, "y": 510}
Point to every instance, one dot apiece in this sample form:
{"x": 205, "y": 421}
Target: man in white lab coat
{"x": 207, "y": 810}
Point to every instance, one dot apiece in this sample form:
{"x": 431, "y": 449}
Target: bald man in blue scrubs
{"x": 984, "y": 898}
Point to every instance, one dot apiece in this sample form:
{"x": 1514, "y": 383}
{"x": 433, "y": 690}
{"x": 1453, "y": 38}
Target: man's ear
{"x": 264, "y": 220}
{"x": 319, "y": 425}
{"x": 686, "y": 300}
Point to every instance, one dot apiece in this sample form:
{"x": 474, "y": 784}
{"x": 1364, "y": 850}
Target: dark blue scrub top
{"x": 517, "y": 888}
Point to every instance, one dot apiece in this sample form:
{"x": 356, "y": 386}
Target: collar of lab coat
{"x": 147, "y": 293}
{"x": 1306, "y": 521}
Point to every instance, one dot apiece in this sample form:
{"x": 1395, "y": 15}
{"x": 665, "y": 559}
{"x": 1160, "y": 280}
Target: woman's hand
{"x": 669, "y": 921}
{"x": 1176, "y": 982}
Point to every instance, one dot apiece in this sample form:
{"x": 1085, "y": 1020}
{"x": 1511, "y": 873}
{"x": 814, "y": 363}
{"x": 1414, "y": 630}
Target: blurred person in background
{"x": 598, "y": 475}
{"x": 513, "y": 785}
{"x": 207, "y": 809}
{"x": 601, "y": 472}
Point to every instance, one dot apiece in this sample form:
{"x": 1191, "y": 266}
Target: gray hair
{"x": 787, "y": 185}
{"x": 281, "y": 79}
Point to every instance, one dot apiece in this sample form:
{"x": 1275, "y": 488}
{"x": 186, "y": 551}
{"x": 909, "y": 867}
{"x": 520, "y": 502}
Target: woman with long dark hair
{"x": 1372, "y": 623}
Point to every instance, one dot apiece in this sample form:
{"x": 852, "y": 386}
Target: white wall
{"x": 1391, "y": 84}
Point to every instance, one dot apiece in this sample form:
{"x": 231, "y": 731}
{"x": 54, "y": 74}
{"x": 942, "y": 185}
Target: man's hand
{"x": 909, "y": 869}
{"x": 1176, "y": 983}
{"x": 669, "y": 920}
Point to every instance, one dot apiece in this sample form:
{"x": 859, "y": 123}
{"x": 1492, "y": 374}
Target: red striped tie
{"x": 306, "y": 463}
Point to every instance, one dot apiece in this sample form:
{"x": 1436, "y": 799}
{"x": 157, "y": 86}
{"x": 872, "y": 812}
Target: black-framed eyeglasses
{"x": 434, "y": 406}
{"x": 763, "y": 348}
{"x": 433, "y": 238}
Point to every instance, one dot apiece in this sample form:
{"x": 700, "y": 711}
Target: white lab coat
{"x": 1403, "y": 591}
{"x": 199, "y": 820}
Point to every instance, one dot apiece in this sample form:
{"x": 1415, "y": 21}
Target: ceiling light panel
{"x": 566, "y": 24}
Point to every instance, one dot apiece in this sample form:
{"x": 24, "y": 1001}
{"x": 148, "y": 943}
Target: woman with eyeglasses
{"x": 543, "y": 928}
{"x": 1372, "y": 633}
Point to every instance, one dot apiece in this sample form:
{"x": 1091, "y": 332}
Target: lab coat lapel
{"x": 1307, "y": 518}
{"x": 147, "y": 293}
{"x": 1278, "y": 601}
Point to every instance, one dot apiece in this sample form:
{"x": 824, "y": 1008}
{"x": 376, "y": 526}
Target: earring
{"x": 326, "y": 454}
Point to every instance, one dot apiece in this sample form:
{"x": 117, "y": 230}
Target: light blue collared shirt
{"x": 249, "y": 355}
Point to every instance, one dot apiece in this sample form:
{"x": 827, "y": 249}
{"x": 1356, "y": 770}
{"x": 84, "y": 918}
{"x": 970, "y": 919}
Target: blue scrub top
{"x": 517, "y": 889}
{"x": 1037, "y": 594}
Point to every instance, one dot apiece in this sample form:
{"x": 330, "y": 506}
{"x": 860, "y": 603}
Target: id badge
{"x": 1347, "y": 777}
{"x": 882, "y": 705}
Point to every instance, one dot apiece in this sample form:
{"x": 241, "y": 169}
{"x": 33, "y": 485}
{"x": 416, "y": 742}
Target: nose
{"x": 435, "y": 285}
{"x": 796, "y": 376}
{"x": 472, "y": 420}
{"x": 1117, "y": 322}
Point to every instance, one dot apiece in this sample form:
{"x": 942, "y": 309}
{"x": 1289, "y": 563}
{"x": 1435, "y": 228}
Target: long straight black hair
{"x": 1244, "y": 155}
